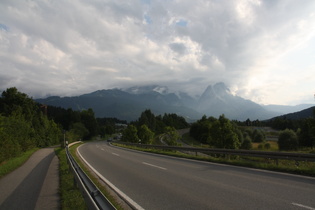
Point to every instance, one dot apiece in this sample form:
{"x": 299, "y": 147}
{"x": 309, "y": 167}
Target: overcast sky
{"x": 262, "y": 50}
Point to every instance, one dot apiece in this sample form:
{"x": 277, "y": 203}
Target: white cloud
{"x": 259, "y": 48}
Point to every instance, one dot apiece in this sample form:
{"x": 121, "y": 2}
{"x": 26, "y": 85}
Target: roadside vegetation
{"x": 71, "y": 197}
{"x": 221, "y": 133}
{"x": 13, "y": 163}
{"x": 23, "y": 126}
{"x": 95, "y": 180}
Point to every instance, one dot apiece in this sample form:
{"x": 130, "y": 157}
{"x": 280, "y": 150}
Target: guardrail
{"x": 93, "y": 197}
{"x": 251, "y": 153}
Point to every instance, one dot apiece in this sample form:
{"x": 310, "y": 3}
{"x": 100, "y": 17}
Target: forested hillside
{"x": 26, "y": 124}
{"x": 23, "y": 125}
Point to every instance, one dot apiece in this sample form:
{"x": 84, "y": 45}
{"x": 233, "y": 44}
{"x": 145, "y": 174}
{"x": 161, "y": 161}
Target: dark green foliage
{"x": 107, "y": 129}
{"x": 239, "y": 133}
{"x": 108, "y": 125}
{"x": 288, "y": 140}
{"x": 160, "y": 125}
{"x": 175, "y": 121}
{"x": 78, "y": 132}
{"x": 246, "y": 144}
{"x": 148, "y": 125}
{"x": 267, "y": 146}
{"x": 201, "y": 129}
{"x": 302, "y": 122}
{"x": 306, "y": 133}
{"x": 280, "y": 123}
{"x": 89, "y": 121}
{"x": 219, "y": 133}
{"x": 258, "y": 136}
{"x": 170, "y": 136}
{"x": 130, "y": 134}
{"x": 23, "y": 126}
{"x": 147, "y": 118}
{"x": 145, "y": 134}
{"x": 64, "y": 117}
{"x": 12, "y": 101}
{"x": 223, "y": 135}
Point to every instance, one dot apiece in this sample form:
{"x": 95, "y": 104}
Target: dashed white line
{"x": 303, "y": 206}
{"x": 154, "y": 166}
{"x": 115, "y": 154}
{"x": 118, "y": 191}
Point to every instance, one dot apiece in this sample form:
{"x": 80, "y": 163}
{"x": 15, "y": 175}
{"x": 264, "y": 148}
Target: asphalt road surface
{"x": 161, "y": 182}
{"x": 34, "y": 185}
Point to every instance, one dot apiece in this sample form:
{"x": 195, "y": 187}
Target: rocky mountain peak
{"x": 220, "y": 88}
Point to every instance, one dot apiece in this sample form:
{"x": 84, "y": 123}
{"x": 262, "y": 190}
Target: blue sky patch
{"x": 182, "y": 23}
{"x": 4, "y": 27}
{"x": 147, "y": 19}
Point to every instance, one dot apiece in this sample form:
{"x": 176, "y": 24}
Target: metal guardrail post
{"x": 93, "y": 197}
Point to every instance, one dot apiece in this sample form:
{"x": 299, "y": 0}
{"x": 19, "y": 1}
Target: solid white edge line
{"x": 154, "y": 165}
{"x": 303, "y": 206}
{"x": 118, "y": 191}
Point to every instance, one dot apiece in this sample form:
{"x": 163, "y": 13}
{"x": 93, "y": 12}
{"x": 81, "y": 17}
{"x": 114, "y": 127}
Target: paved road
{"x": 160, "y": 182}
{"x": 34, "y": 185}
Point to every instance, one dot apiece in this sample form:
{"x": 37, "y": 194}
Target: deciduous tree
{"x": 145, "y": 134}
{"x": 130, "y": 134}
{"x": 288, "y": 140}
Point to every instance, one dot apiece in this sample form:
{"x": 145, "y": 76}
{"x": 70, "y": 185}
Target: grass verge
{"x": 12, "y": 164}
{"x": 71, "y": 197}
{"x": 288, "y": 166}
{"x": 95, "y": 180}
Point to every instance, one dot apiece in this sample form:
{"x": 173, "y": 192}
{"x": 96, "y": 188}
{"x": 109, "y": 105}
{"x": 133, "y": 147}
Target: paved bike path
{"x": 34, "y": 185}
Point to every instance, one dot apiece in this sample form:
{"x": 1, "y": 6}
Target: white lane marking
{"x": 154, "y": 166}
{"x": 115, "y": 154}
{"x": 103, "y": 149}
{"x": 303, "y": 206}
{"x": 118, "y": 191}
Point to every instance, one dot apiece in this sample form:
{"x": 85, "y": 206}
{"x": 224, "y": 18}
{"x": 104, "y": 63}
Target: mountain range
{"x": 128, "y": 104}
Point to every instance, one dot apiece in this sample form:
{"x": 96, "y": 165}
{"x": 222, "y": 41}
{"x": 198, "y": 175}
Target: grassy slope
{"x": 12, "y": 164}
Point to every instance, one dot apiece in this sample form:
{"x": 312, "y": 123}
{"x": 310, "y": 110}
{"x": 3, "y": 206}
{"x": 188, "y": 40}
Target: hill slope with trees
{"x": 23, "y": 125}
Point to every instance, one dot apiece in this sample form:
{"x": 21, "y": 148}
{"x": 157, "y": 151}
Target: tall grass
{"x": 71, "y": 197}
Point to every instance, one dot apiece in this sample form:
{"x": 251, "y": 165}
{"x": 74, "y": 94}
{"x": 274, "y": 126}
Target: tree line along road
{"x": 161, "y": 182}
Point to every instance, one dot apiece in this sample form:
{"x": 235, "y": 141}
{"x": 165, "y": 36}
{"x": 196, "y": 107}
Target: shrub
{"x": 247, "y": 143}
{"x": 267, "y": 146}
{"x": 288, "y": 140}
